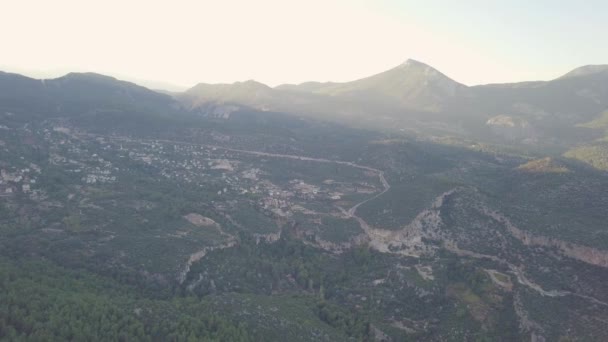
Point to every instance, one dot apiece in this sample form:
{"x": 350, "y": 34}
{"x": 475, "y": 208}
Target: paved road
{"x": 364, "y": 225}
{"x": 351, "y": 212}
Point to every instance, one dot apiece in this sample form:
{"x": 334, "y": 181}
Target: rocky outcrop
{"x": 268, "y": 238}
{"x": 510, "y": 128}
{"x": 582, "y": 253}
{"x": 339, "y": 247}
{"x": 199, "y": 220}
{"x": 409, "y": 240}
{"x": 199, "y": 255}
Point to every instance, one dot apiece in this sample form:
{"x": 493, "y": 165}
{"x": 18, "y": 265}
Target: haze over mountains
{"x": 413, "y": 97}
{"x": 412, "y": 84}
{"x": 401, "y": 206}
{"x": 417, "y": 98}
{"x": 271, "y": 170}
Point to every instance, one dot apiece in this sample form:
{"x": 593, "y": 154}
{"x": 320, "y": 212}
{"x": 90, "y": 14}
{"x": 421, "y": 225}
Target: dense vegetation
{"x": 44, "y": 302}
{"x": 127, "y": 218}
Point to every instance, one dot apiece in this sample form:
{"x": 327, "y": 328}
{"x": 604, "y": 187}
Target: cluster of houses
{"x": 18, "y": 180}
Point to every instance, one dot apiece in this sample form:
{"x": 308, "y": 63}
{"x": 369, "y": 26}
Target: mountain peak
{"x": 413, "y": 62}
{"x": 415, "y": 65}
{"x": 420, "y": 70}
{"x": 253, "y": 84}
{"x": 413, "y": 84}
{"x": 586, "y": 71}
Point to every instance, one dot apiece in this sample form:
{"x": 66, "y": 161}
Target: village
{"x": 276, "y": 187}
{"x": 238, "y": 175}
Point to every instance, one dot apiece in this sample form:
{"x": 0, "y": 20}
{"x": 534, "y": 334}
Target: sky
{"x": 179, "y": 43}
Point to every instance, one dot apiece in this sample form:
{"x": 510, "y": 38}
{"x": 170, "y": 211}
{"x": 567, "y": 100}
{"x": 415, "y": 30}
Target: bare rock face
{"x": 194, "y": 257}
{"x": 544, "y": 165}
{"x": 586, "y": 71}
{"x": 268, "y": 238}
{"x": 582, "y": 253}
{"x": 507, "y": 122}
{"x": 340, "y": 247}
{"x": 410, "y": 239}
{"x": 511, "y": 128}
{"x": 199, "y": 220}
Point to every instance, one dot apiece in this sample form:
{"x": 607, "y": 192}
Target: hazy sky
{"x": 281, "y": 41}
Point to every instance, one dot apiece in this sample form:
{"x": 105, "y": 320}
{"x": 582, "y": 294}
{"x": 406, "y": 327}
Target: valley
{"x": 333, "y": 171}
{"x": 282, "y": 225}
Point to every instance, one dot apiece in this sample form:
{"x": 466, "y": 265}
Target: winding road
{"x": 351, "y": 212}
{"x": 518, "y": 272}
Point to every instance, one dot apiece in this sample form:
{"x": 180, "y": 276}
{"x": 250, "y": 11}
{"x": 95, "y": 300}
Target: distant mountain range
{"x": 77, "y": 94}
{"x": 415, "y": 96}
{"x": 412, "y": 84}
{"x": 562, "y": 114}
{"x": 242, "y": 212}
